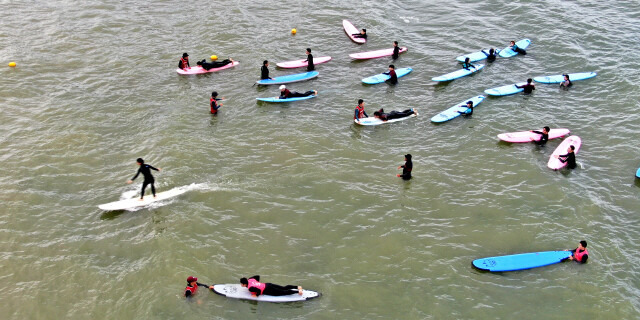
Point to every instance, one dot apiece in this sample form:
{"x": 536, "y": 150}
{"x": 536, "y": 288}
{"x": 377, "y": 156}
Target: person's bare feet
{"x": 315, "y": 93}
{"x": 141, "y": 199}
{"x": 299, "y": 290}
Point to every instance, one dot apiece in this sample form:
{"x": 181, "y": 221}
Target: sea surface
{"x": 298, "y": 193}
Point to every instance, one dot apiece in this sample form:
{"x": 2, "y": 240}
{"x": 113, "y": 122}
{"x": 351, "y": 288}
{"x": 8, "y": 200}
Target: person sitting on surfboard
{"x": 580, "y": 254}
{"x": 184, "y": 62}
{"x": 469, "y": 110}
{"x": 467, "y": 64}
{"x": 285, "y": 93}
{"x": 544, "y": 136}
{"x": 192, "y": 286}
{"x": 392, "y": 74}
{"x": 569, "y": 158}
{"x": 310, "y": 65}
{"x": 359, "y": 112}
{"x": 213, "y": 64}
{"x": 257, "y": 288}
{"x": 515, "y": 48}
{"x": 396, "y": 50}
{"x": 265, "y": 71}
{"x": 566, "y": 83}
{"x": 406, "y": 168}
{"x": 380, "y": 114}
{"x": 145, "y": 169}
{"x": 492, "y": 55}
{"x": 528, "y": 87}
{"x": 213, "y": 102}
{"x": 362, "y": 34}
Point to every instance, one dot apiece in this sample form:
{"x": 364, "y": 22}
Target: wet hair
{"x": 199, "y": 63}
{"x": 491, "y": 51}
{"x": 214, "y": 94}
{"x": 376, "y": 114}
{"x": 395, "y": 42}
{"x": 572, "y": 147}
{"x": 309, "y": 50}
{"x": 365, "y": 30}
{"x": 264, "y": 63}
{"x": 470, "y": 102}
{"x": 513, "y": 42}
{"x": 184, "y": 55}
{"x": 547, "y": 128}
{"x": 360, "y": 101}
{"x": 140, "y": 161}
{"x": 392, "y": 66}
{"x": 529, "y": 80}
{"x": 566, "y": 75}
{"x": 583, "y": 243}
{"x": 408, "y": 156}
{"x": 244, "y": 281}
{"x": 467, "y": 60}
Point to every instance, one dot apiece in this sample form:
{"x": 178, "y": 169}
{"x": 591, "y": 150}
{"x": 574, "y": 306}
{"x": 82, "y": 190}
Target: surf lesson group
{"x": 564, "y": 155}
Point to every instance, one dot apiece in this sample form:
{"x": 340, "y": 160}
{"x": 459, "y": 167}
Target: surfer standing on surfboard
{"x": 145, "y": 169}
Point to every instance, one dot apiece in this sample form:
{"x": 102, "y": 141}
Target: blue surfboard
{"x": 507, "y": 52}
{"x": 638, "y": 173}
{"x": 458, "y": 74}
{"x": 505, "y": 90}
{"x": 475, "y": 56}
{"x": 277, "y": 99}
{"x": 380, "y": 78}
{"x": 559, "y": 77}
{"x": 290, "y": 78}
{"x": 521, "y": 261}
{"x": 452, "y": 112}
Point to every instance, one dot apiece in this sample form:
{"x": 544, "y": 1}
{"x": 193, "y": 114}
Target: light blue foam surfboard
{"x": 559, "y": 77}
{"x": 277, "y": 99}
{"x": 452, "y": 112}
{"x": 638, "y": 173}
{"x": 289, "y": 78}
{"x": 521, "y": 261}
{"x": 505, "y": 90}
{"x": 475, "y": 56}
{"x": 507, "y": 52}
{"x": 380, "y": 78}
{"x": 458, "y": 74}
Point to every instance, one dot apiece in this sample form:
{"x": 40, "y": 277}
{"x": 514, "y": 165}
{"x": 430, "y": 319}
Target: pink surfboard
{"x": 375, "y": 54}
{"x": 350, "y": 29}
{"x": 302, "y": 63}
{"x": 556, "y": 164}
{"x": 525, "y": 136}
{"x": 200, "y": 70}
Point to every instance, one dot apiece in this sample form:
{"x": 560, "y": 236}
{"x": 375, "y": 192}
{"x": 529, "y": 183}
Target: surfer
{"x": 469, "y": 110}
{"x": 569, "y": 158}
{"x": 515, "y": 48}
{"x": 192, "y": 286}
{"x": 566, "y": 83}
{"x": 406, "y": 168}
{"x": 213, "y": 64}
{"x": 285, "y": 93}
{"x": 265, "y": 71}
{"x": 184, "y": 62}
{"x": 492, "y": 55}
{"x": 544, "y": 136}
{"x": 396, "y": 50}
{"x": 392, "y": 74}
{"x": 580, "y": 254}
{"x": 145, "y": 169}
{"x": 213, "y": 102}
{"x": 467, "y": 64}
{"x": 359, "y": 112}
{"x": 528, "y": 87}
{"x": 310, "y": 66}
{"x": 257, "y": 288}
{"x": 362, "y": 34}
{"x": 380, "y": 114}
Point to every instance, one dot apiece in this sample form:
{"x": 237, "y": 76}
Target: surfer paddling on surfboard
{"x": 145, "y": 169}
{"x": 285, "y": 93}
{"x": 515, "y": 48}
{"x": 213, "y": 64}
{"x": 270, "y": 289}
{"x": 192, "y": 286}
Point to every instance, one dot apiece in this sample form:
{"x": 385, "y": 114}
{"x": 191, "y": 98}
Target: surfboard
{"x": 200, "y": 70}
{"x": 373, "y": 121}
{"x": 277, "y": 99}
{"x": 525, "y": 136}
{"x": 289, "y": 79}
{"x": 505, "y": 90}
{"x": 458, "y": 73}
{"x": 507, "y": 52}
{"x": 559, "y": 78}
{"x": 452, "y": 112}
{"x": 556, "y": 164}
{"x": 375, "y": 54}
{"x": 638, "y": 173}
{"x": 302, "y": 63}
{"x": 350, "y": 29}
{"x": 237, "y": 291}
{"x": 475, "y": 56}
{"x": 521, "y": 261}
{"x": 380, "y": 78}
{"x": 148, "y": 199}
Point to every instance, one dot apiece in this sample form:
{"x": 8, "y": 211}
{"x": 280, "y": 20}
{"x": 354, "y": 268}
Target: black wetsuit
{"x": 145, "y": 169}
{"x": 569, "y": 158}
{"x": 359, "y": 35}
{"x": 491, "y": 57}
{"x": 393, "y": 114}
{"x": 517, "y": 49}
{"x": 393, "y": 75}
{"x": 528, "y": 88}
{"x": 543, "y": 139}
{"x": 272, "y": 289}
{"x": 288, "y": 94}
{"x": 214, "y": 64}
{"x": 265, "y": 73}
{"x": 310, "y": 66}
{"x": 396, "y": 52}
{"x": 406, "y": 170}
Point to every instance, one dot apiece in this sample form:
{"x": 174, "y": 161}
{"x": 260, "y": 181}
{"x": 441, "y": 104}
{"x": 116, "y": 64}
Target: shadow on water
{"x": 637, "y": 182}
{"x": 110, "y": 215}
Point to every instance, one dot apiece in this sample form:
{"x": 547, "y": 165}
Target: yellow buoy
{"x": 214, "y": 57}
{"x": 12, "y": 64}
{"x": 293, "y": 31}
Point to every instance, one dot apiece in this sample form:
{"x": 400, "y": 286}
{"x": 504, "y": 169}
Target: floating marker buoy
{"x": 293, "y": 31}
{"x": 12, "y": 64}
{"x": 214, "y": 57}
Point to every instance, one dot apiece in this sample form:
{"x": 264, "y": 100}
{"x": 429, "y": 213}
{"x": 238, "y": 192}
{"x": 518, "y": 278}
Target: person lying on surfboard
{"x": 396, "y": 50}
{"x": 380, "y": 114}
{"x": 213, "y": 64}
{"x": 566, "y": 83}
{"x": 528, "y": 87}
{"x": 192, "y": 286}
{"x": 310, "y": 65}
{"x": 406, "y": 168}
{"x": 359, "y": 112}
{"x": 184, "y": 62}
{"x": 467, "y": 64}
{"x": 264, "y": 71}
{"x": 285, "y": 93}
{"x": 492, "y": 55}
{"x": 362, "y": 34}
{"x": 580, "y": 254}
{"x": 145, "y": 169}
{"x": 392, "y": 74}
{"x": 469, "y": 106}
{"x": 515, "y": 48}
{"x": 569, "y": 158}
{"x": 257, "y": 288}
{"x": 544, "y": 136}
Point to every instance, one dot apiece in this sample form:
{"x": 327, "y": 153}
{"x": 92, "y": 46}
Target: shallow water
{"x": 297, "y": 193}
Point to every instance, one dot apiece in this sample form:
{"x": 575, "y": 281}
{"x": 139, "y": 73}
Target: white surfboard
{"x": 237, "y": 291}
{"x": 148, "y": 199}
{"x": 373, "y": 121}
